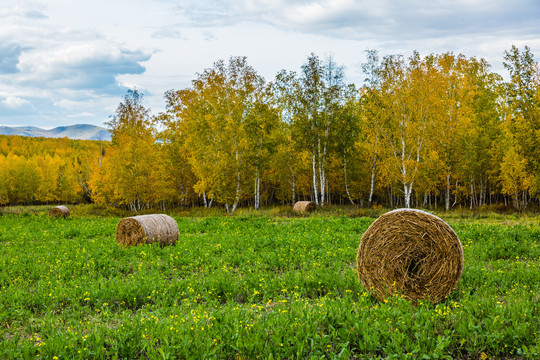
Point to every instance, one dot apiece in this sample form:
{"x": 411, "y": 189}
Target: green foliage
{"x": 253, "y": 286}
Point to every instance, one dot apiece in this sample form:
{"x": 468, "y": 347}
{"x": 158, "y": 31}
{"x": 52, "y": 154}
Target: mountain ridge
{"x": 74, "y": 132}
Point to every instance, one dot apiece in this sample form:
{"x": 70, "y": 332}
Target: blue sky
{"x": 65, "y": 62}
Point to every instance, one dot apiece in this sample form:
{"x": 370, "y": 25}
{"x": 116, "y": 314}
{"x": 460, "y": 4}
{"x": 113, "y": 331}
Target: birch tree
{"x": 523, "y": 102}
{"x": 478, "y": 135}
{"x": 214, "y": 114}
{"x": 405, "y": 116}
{"x": 371, "y": 112}
{"x": 176, "y": 153}
{"x": 321, "y": 84}
{"x": 345, "y": 137}
{"x": 128, "y": 172}
{"x": 286, "y": 92}
{"x": 452, "y": 95}
{"x": 514, "y": 177}
{"x": 261, "y": 123}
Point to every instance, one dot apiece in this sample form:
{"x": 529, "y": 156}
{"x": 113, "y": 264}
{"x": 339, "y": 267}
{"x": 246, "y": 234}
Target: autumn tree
{"x": 260, "y": 125}
{"x": 345, "y": 137}
{"x": 452, "y": 94}
{"x": 216, "y": 114}
{"x": 4, "y": 195}
{"x": 524, "y": 106}
{"x": 370, "y": 112}
{"x": 440, "y": 128}
{"x": 511, "y": 168}
{"x": 320, "y": 89}
{"x": 403, "y": 117}
{"x": 21, "y": 179}
{"x": 42, "y": 170}
{"x": 128, "y": 172}
{"x": 47, "y": 191}
{"x": 479, "y": 134}
{"x": 286, "y": 93}
{"x": 177, "y": 176}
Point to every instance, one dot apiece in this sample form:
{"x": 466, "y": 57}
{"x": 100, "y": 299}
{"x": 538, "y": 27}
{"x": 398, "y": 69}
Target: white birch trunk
{"x": 322, "y": 168}
{"x": 293, "y": 174}
{"x": 322, "y": 181}
{"x": 407, "y": 189}
{"x": 472, "y": 195}
{"x": 456, "y": 195}
{"x": 372, "y": 185}
{"x": 346, "y": 180}
{"x": 293, "y": 185}
{"x": 447, "y": 197}
{"x": 238, "y": 185}
{"x": 315, "y": 184}
{"x": 482, "y": 193}
{"x": 257, "y": 190}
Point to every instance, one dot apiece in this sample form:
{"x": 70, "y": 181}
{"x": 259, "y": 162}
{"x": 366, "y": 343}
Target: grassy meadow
{"x": 255, "y": 286}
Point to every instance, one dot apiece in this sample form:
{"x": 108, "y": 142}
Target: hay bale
{"x": 146, "y": 229}
{"x": 59, "y": 211}
{"x": 410, "y": 252}
{"x": 304, "y": 206}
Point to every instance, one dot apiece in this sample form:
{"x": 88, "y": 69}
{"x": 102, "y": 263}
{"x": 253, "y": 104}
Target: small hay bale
{"x": 146, "y": 229}
{"x": 59, "y": 211}
{"x": 410, "y": 252}
{"x": 304, "y": 206}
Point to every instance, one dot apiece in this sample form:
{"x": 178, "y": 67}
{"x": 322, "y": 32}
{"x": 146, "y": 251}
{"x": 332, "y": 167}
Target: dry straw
{"x": 59, "y": 211}
{"x": 304, "y": 206}
{"x": 410, "y": 252}
{"x": 146, "y": 229}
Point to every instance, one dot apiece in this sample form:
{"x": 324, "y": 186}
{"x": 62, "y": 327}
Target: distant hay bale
{"x": 410, "y": 252}
{"x": 304, "y": 206}
{"x": 146, "y": 229}
{"x": 59, "y": 211}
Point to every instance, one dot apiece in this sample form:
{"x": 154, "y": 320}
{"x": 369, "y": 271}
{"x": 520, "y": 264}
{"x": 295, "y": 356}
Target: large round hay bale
{"x": 146, "y": 229}
{"x": 304, "y": 206}
{"x": 59, "y": 211}
{"x": 410, "y": 252}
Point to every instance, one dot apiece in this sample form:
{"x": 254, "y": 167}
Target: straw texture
{"x": 410, "y": 252}
{"x": 146, "y": 229}
{"x": 59, "y": 211}
{"x": 304, "y": 206}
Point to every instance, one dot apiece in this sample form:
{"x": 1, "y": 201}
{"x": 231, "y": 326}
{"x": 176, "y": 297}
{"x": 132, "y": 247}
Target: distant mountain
{"x": 76, "y": 132}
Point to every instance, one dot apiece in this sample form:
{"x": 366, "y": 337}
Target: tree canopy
{"x": 438, "y": 130}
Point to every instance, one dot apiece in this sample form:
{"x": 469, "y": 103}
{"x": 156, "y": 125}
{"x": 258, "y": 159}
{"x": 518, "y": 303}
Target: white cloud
{"x": 60, "y": 69}
{"x": 81, "y": 115}
{"x": 70, "y": 58}
{"x": 14, "y": 102}
{"x": 363, "y": 19}
{"x": 81, "y": 66}
{"x": 169, "y": 32}
{"x": 209, "y": 36}
{"x": 22, "y": 9}
{"x": 9, "y": 58}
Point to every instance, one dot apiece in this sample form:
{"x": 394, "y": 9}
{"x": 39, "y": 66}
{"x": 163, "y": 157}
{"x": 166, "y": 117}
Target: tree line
{"x": 46, "y": 171}
{"x": 436, "y": 131}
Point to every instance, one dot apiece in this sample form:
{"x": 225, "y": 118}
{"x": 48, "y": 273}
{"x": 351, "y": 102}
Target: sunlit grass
{"x": 248, "y": 286}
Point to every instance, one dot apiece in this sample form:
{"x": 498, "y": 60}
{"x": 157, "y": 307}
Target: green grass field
{"x": 243, "y": 287}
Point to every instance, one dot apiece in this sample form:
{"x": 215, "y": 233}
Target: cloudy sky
{"x": 65, "y": 62}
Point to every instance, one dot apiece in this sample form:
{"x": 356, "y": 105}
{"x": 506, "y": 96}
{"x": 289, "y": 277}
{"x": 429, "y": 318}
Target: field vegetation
{"x": 254, "y": 285}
